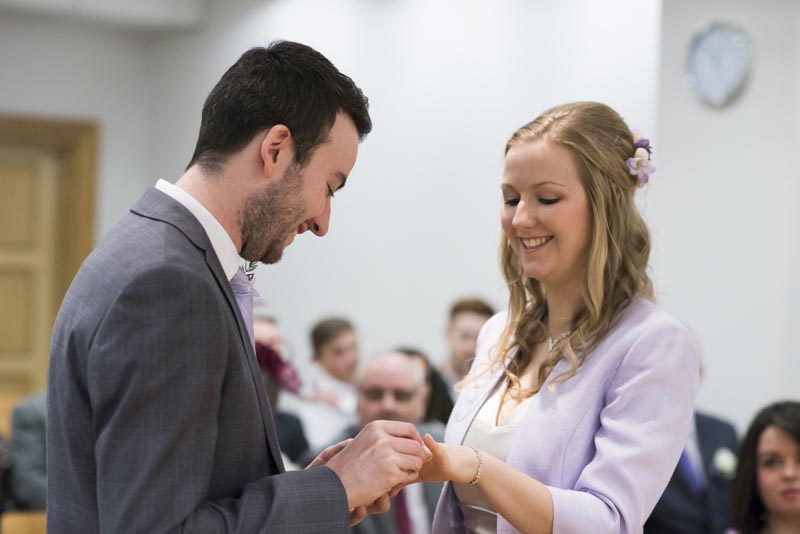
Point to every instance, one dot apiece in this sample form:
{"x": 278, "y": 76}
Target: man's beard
{"x": 269, "y": 216}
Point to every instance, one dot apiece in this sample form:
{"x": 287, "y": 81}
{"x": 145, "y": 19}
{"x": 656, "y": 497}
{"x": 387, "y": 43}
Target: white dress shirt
{"x": 220, "y": 240}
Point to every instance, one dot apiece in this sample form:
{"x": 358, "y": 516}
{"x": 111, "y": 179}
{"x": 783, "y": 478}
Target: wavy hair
{"x": 616, "y": 263}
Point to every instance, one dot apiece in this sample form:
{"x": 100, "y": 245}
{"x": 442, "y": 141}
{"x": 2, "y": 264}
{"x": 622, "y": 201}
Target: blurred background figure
{"x": 326, "y": 405}
{"x": 436, "y": 391}
{"x": 766, "y": 489}
{"x": 698, "y": 496}
{"x": 28, "y": 460}
{"x": 391, "y": 386}
{"x": 467, "y": 316}
{"x": 279, "y": 375}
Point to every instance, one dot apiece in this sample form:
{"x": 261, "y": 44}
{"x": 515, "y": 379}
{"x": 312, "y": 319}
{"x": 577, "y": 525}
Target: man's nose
{"x": 319, "y": 223}
{"x": 388, "y": 402}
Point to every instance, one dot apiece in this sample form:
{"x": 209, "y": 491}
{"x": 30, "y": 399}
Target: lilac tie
{"x": 244, "y": 294}
{"x": 690, "y": 472}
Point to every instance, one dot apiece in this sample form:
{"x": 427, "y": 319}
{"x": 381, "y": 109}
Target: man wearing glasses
{"x": 392, "y": 387}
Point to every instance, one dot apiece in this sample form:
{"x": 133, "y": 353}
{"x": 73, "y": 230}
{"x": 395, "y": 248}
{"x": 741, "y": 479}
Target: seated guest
{"x": 698, "y": 496}
{"x": 467, "y": 316}
{"x": 278, "y": 374}
{"x": 28, "y": 435}
{"x": 327, "y": 402}
{"x": 438, "y": 402}
{"x": 766, "y": 488}
{"x": 392, "y": 387}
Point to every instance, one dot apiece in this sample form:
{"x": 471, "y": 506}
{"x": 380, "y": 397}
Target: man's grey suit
{"x": 158, "y": 420}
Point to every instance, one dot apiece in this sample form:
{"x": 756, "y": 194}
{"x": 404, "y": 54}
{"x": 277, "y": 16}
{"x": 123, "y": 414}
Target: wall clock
{"x": 718, "y": 63}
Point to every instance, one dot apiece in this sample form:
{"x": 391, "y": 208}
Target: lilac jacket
{"x": 607, "y": 440}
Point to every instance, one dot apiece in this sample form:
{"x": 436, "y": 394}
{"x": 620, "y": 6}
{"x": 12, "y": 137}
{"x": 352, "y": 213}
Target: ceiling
{"x": 137, "y": 14}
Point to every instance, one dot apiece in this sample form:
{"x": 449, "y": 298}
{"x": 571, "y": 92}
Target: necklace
{"x": 551, "y": 343}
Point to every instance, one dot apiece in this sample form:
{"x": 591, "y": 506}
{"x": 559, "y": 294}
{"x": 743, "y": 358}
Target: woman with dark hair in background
{"x": 766, "y": 489}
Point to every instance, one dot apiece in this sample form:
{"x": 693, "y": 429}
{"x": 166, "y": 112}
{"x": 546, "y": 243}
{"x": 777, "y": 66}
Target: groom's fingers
{"x": 357, "y": 515}
{"x": 325, "y": 456}
{"x": 381, "y": 505}
{"x": 400, "y": 429}
{"x": 395, "y": 490}
{"x": 408, "y": 446}
{"x": 383, "y": 455}
{"x": 407, "y": 476}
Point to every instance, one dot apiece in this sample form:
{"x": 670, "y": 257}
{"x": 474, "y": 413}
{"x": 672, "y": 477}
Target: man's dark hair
{"x": 472, "y": 305}
{"x": 326, "y": 330}
{"x": 286, "y": 83}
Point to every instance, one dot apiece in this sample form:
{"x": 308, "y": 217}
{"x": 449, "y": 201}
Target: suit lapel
{"x": 252, "y": 362}
{"x": 708, "y": 445}
{"x": 160, "y": 206}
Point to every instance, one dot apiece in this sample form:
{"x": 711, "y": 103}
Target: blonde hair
{"x": 616, "y": 263}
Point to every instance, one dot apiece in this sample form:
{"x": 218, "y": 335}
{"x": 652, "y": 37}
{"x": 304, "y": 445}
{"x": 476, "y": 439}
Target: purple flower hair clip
{"x": 640, "y": 165}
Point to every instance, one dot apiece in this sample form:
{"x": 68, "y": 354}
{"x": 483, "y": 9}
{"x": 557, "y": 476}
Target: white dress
{"x": 485, "y": 435}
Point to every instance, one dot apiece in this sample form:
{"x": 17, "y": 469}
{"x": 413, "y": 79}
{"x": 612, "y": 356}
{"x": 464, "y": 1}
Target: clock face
{"x": 718, "y": 63}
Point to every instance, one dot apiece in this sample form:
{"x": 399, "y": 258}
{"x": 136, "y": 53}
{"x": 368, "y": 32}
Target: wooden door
{"x": 28, "y": 193}
{"x": 47, "y": 175}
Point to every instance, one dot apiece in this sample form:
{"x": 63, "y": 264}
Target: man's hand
{"x": 329, "y": 453}
{"x": 378, "y": 507}
{"x": 383, "y": 455}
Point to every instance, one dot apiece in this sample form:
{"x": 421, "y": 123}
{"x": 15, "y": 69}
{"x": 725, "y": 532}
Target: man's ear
{"x": 277, "y": 150}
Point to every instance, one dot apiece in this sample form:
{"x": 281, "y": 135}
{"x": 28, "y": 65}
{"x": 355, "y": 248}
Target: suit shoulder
{"x": 714, "y": 422}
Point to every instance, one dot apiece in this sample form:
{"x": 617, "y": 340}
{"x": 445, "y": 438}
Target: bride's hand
{"x": 448, "y": 462}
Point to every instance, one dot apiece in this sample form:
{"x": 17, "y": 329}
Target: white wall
{"x": 418, "y": 224}
{"x": 61, "y": 69}
{"x": 724, "y": 208}
{"x": 448, "y": 82}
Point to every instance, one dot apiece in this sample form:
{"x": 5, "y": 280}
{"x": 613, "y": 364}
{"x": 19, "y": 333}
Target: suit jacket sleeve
{"x": 643, "y": 426}
{"x": 29, "y": 474}
{"x": 156, "y": 373}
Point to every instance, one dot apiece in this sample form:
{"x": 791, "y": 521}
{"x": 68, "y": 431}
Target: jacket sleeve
{"x": 643, "y": 426}
{"x": 155, "y": 372}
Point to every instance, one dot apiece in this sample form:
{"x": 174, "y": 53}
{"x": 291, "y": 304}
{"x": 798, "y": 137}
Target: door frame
{"x": 74, "y": 144}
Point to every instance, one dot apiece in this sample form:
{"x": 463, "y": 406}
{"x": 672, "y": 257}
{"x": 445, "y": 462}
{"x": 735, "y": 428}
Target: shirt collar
{"x": 220, "y": 240}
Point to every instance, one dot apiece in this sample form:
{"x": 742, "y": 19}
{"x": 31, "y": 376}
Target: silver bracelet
{"x": 479, "y": 472}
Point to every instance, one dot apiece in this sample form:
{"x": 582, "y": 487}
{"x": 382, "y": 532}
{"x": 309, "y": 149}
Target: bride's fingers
{"x": 435, "y": 449}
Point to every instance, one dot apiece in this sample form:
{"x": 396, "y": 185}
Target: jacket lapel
{"x": 160, "y": 206}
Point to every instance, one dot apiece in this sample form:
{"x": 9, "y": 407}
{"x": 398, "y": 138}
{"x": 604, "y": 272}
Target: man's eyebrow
{"x": 342, "y": 179}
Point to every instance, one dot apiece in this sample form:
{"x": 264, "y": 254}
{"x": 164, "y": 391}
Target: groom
{"x": 157, "y": 416}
